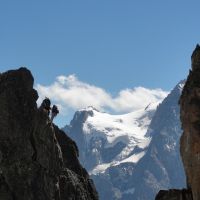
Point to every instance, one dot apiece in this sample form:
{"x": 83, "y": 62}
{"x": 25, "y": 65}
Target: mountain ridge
{"x": 164, "y": 124}
{"x": 112, "y": 129}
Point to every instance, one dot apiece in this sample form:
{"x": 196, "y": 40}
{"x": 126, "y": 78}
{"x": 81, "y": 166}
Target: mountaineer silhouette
{"x": 46, "y": 105}
{"x": 54, "y": 112}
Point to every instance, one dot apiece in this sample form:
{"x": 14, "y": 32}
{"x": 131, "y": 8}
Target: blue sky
{"x": 110, "y": 44}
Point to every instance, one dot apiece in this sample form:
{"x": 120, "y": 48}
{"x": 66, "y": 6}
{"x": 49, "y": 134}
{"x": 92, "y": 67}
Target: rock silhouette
{"x": 38, "y": 161}
{"x": 190, "y": 117}
{"x": 190, "y": 139}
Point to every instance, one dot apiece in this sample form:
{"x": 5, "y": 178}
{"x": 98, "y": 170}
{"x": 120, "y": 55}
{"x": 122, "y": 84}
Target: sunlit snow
{"x": 129, "y": 129}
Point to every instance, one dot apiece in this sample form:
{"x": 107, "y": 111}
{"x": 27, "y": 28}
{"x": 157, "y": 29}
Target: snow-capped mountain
{"x": 131, "y": 156}
{"x": 161, "y": 167}
{"x": 109, "y": 140}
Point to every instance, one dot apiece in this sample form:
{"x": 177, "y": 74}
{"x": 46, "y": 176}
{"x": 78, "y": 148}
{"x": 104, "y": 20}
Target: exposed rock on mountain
{"x": 37, "y": 160}
{"x": 190, "y": 139}
{"x": 161, "y": 167}
{"x": 190, "y": 117}
{"x": 106, "y": 140}
{"x": 174, "y": 195}
{"x": 115, "y": 141}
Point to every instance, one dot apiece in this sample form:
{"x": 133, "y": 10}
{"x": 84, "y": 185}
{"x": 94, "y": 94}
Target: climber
{"x": 46, "y": 105}
{"x": 54, "y": 112}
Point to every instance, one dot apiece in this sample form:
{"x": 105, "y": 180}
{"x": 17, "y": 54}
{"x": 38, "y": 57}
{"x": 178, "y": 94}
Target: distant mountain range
{"x": 131, "y": 156}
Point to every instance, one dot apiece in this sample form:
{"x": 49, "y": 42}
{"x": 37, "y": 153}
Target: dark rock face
{"x": 73, "y": 173}
{"x": 174, "y": 195}
{"x": 190, "y": 139}
{"x": 37, "y": 160}
{"x": 190, "y": 117}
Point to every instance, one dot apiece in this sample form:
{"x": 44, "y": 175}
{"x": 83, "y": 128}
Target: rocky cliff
{"x": 174, "y": 194}
{"x": 190, "y": 117}
{"x": 37, "y": 160}
{"x": 190, "y": 139}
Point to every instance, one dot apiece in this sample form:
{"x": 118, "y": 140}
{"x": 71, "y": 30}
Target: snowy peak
{"x": 113, "y": 126}
{"x": 129, "y": 156}
{"x": 112, "y": 130}
{"x": 111, "y": 139}
{"x": 89, "y": 109}
{"x": 81, "y": 116}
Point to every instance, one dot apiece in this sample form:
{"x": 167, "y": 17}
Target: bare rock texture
{"x": 37, "y": 160}
{"x": 190, "y": 117}
{"x": 190, "y": 139}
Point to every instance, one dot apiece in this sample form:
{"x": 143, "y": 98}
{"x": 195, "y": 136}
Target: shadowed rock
{"x": 190, "y": 139}
{"x": 37, "y": 160}
{"x": 190, "y": 117}
{"x": 196, "y": 58}
{"x": 174, "y": 195}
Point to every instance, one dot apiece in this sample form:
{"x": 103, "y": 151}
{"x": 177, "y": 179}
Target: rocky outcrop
{"x": 190, "y": 117}
{"x": 190, "y": 139}
{"x": 174, "y": 195}
{"x": 37, "y": 160}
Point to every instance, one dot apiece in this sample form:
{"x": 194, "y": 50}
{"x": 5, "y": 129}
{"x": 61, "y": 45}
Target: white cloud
{"x": 69, "y": 93}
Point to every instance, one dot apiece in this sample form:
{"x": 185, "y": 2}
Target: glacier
{"x": 132, "y": 155}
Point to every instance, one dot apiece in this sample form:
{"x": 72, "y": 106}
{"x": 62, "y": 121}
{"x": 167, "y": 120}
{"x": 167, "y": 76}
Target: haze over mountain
{"x": 131, "y": 156}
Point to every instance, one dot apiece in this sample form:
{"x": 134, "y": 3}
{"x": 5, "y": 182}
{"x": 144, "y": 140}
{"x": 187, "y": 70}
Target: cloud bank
{"x": 69, "y": 93}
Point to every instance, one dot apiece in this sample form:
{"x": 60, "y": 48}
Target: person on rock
{"x": 54, "y": 112}
{"x": 46, "y": 105}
